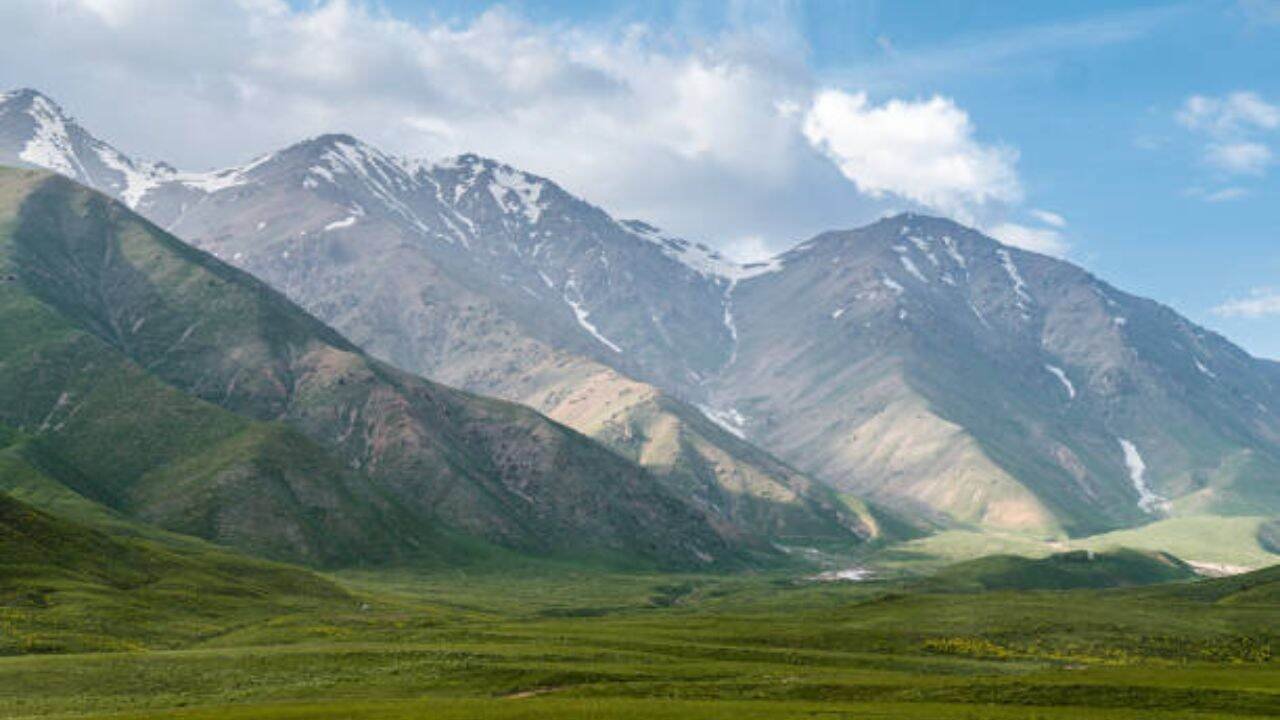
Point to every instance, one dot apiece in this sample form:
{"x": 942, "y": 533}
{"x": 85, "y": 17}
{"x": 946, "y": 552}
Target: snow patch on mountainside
{"x": 911, "y": 268}
{"x": 50, "y": 145}
{"x": 729, "y": 419}
{"x": 583, "y": 315}
{"x": 528, "y": 192}
{"x": 729, "y": 323}
{"x": 925, "y": 246}
{"x": 384, "y": 177}
{"x": 1204, "y": 370}
{"x": 978, "y": 314}
{"x": 1019, "y": 285}
{"x": 1062, "y": 377}
{"x": 1148, "y": 500}
{"x": 137, "y": 181}
{"x": 954, "y": 252}
{"x": 219, "y": 180}
{"x": 697, "y": 256}
{"x": 345, "y": 222}
{"x": 213, "y": 182}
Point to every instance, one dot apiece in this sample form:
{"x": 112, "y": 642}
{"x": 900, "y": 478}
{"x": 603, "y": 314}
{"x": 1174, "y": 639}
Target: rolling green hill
{"x": 69, "y": 587}
{"x": 1064, "y": 571}
{"x": 1260, "y": 587}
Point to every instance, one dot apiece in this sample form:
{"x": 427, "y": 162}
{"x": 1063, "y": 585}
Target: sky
{"x": 1137, "y": 139}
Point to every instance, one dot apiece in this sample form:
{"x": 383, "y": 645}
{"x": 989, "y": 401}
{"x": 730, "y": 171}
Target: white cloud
{"x": 748, "y": 249}
{"x": 924, "y": 151}
{"x": 1262, "y": 302}
{"x": 699, "y": 134}
{"x": 719, "y": 137}
{"x": 1036, "y": 239}
{"x": 1242, "y": 158}
{"x": 1229, "y": 115}
{"x": 1233, "y": 126}
{"x": 1225, "y": 194}
{"x": 1049, "y": 218}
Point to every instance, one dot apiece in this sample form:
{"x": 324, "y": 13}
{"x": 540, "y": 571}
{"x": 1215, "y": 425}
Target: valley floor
{"x": 576, "y": 643}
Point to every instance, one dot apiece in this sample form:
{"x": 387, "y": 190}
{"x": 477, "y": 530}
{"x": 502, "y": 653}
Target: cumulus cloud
{"x": 1243, "y": 158}
{"x": 724, "y": 136}
{"x": 1046, "y": 240}
{"x": 924, "y": 151}
{"x": 1229, "y": 115}
{"x": 700, "y": 134}
{"x": 1261, "y": 302}
{"x": 1049, "y": 218}
{"x": 1233, "y": 127}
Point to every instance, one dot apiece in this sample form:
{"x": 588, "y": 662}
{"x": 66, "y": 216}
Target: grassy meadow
{"x": 549, "y": 641}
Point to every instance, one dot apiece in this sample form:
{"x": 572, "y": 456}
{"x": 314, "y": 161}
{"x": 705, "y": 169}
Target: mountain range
{"x": 916, "y": 363}
{"x": 158, "y": 381}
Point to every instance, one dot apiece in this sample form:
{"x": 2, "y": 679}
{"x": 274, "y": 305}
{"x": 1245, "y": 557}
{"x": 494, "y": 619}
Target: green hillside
{"x": 1260, "y": 587}
{"x": 112, "y": 432}
{"x": 1230, "y": 543}
{"x": 169, "y": 386}
{"x": 1063, "y": 571}
{"x": 68, "y": 587}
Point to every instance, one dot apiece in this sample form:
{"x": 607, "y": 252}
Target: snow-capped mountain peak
{"x": 36, "y": 131}
{"x": 49, "y": 141}
{"x": 515, "y": 193}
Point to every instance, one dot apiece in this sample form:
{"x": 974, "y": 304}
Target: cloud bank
{"x": 726, "y": 137}
{"x": 1261, "y": 302}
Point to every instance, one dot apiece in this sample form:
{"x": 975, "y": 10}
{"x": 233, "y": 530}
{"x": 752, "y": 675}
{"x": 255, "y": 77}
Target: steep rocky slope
{"x": 930, "y": 366}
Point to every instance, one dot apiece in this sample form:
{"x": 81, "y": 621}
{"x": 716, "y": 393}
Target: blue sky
{"x": 1139, "y": 140}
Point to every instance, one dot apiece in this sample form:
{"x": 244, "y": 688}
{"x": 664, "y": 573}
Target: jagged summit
{"x": 461, "y": 187}
{"x": 25, "y": 97}
{"x": 35, "y": 131}
{"x": 334, "y": 138}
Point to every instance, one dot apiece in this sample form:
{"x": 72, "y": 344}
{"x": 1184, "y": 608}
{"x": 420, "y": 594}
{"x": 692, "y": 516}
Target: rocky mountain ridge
{"x": 915, "y": 361}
